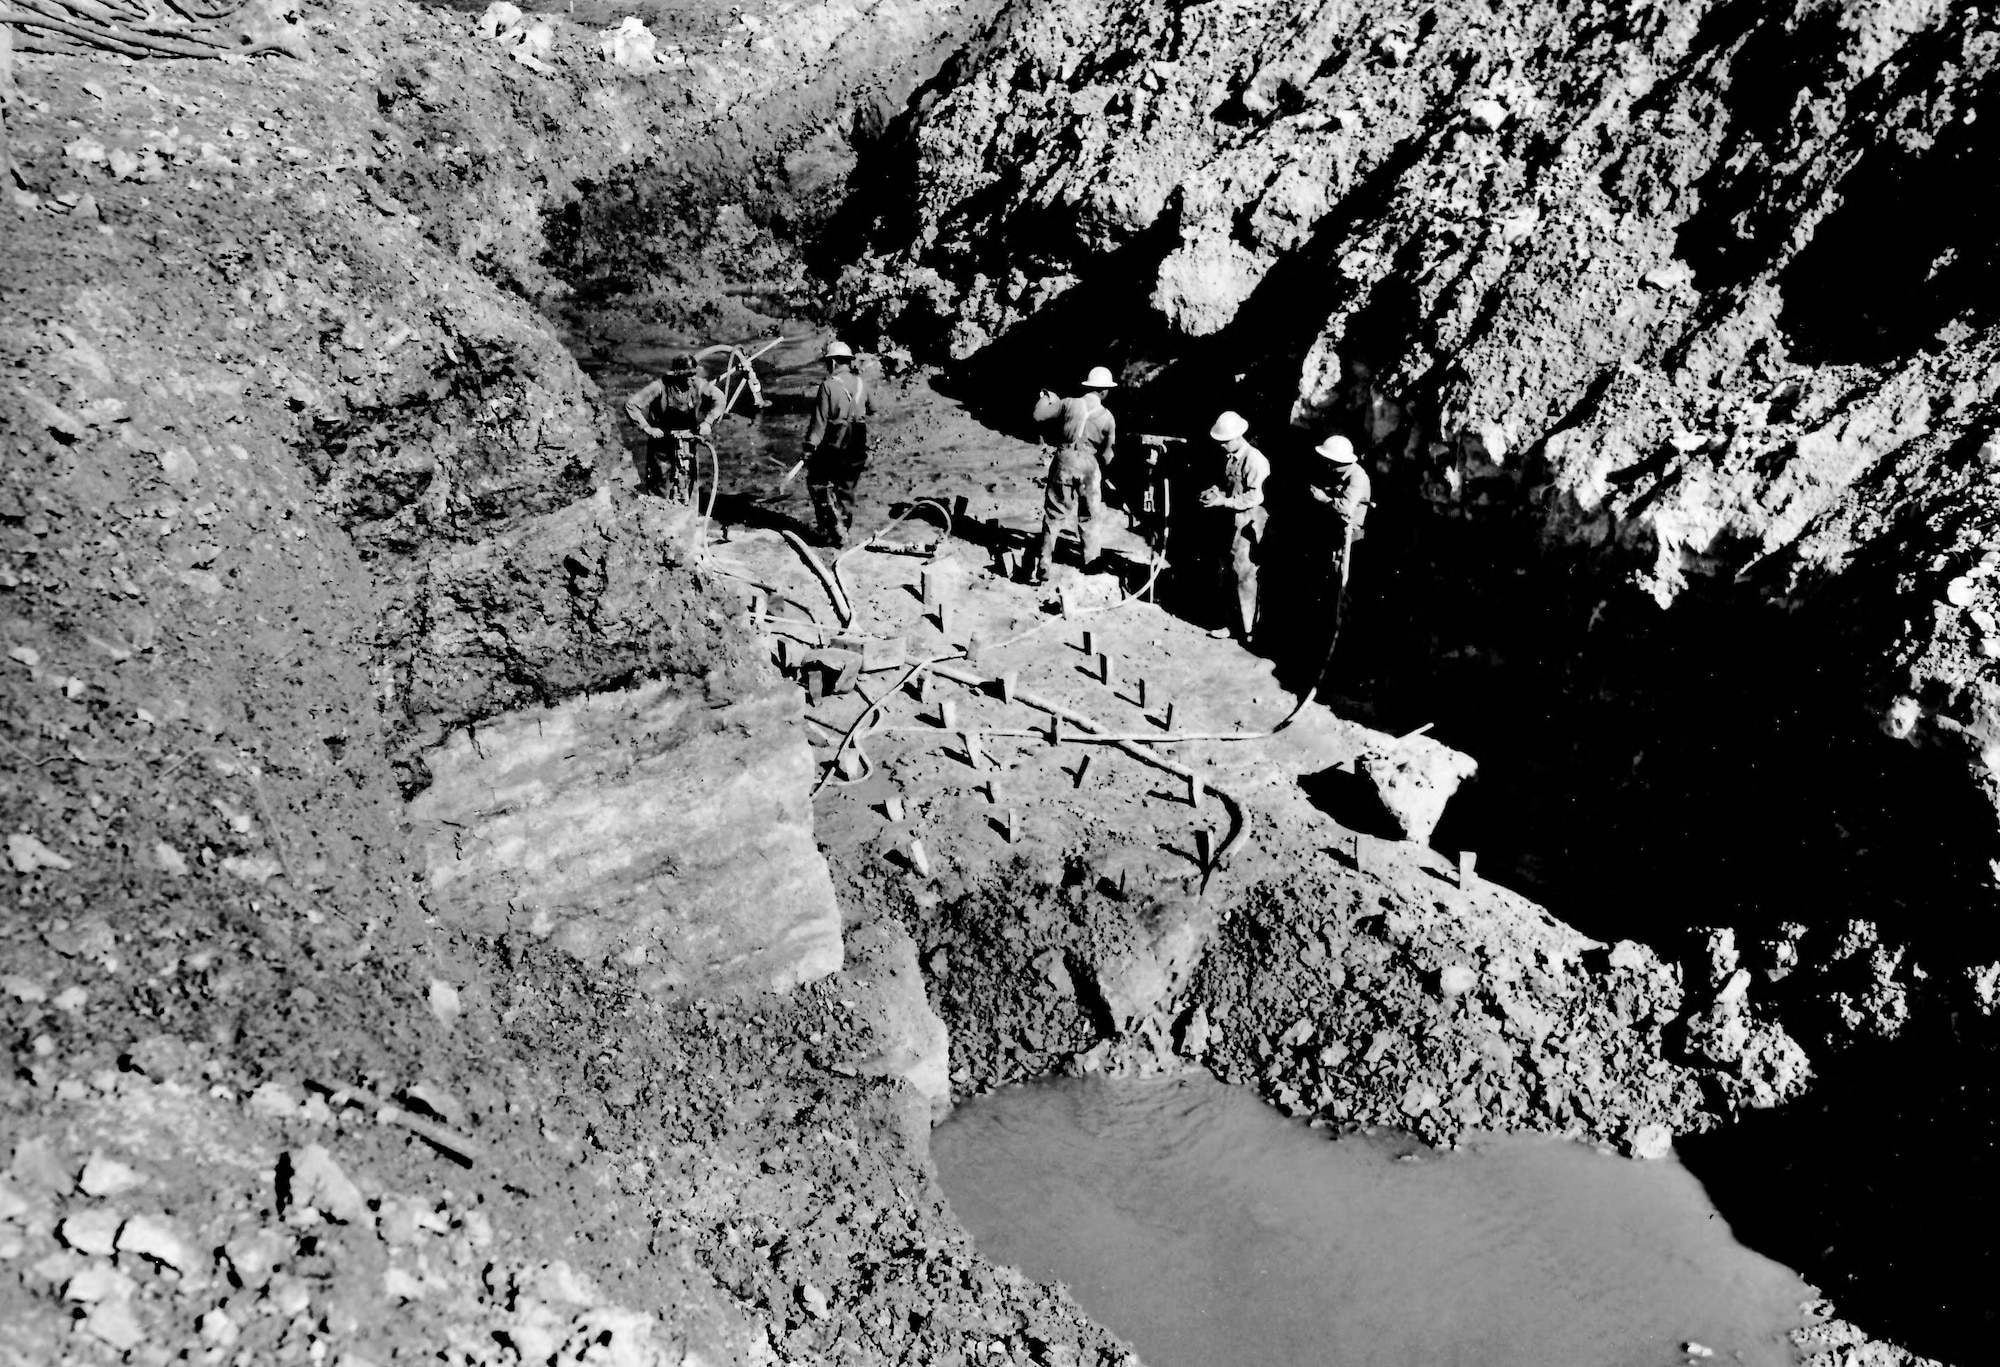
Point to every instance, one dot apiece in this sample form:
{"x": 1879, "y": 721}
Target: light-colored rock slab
{"x": 649, "y": 824}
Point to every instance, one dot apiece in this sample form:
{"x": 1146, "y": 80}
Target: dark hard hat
{"x": 680, "y": 365}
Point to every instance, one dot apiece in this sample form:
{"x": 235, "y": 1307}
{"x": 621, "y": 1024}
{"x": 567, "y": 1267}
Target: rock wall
{"x": 1692, "y": 286}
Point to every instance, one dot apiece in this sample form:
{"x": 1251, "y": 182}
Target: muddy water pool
{"x": 1208, "y": 1230}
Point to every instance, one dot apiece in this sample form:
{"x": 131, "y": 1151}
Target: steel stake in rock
{"x": 1104, "y": 668}
{"x": 972, "y": 753}
{"x": 1008, "y": 682}
{"x": 1082, "y": 769}
{"x": 948, "y": 715}
{"x": 920, "y": 861}
{"x": 893, "y": 809}
{"x": 1013, "y": 826}
{"x": 1195, "y": 791}
{"x": 1204, "y": 848}
{"x": 1467, "y": 859}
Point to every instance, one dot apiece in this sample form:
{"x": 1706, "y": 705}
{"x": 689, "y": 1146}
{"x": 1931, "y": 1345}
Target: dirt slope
{"x": 297, "y": 483}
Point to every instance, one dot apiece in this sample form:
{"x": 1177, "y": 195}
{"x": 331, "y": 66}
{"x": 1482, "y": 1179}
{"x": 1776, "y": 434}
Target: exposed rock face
{"x": 1688, "y": 285}
{"x": 913, "y": 1042}
{"x": 590, "y": 596}
{"x": 649, "y": 824}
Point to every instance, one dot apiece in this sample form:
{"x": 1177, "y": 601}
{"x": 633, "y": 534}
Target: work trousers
{"x": 1245, "y": 549}
{"x": 1075, "y": 489}
{"x": 669, "y": 467}
{"x": 830, "y": 480}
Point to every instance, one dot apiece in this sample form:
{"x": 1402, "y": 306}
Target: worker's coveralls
{"x": 1243, "y": 474}
{"x": 1084, "y": 434}
{"x": 1343, "y": 495}
{"x": 676, "y": 407}
{"x": 836, "y": 450}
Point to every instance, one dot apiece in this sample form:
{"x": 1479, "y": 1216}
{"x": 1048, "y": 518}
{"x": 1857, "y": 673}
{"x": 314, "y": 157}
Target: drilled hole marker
{"x": 1167, "y": 716}
{"x": 893, "y": 809}
{"x": 920, "y": 861}
{"x": 1467, "y": 861}
{"x": 1008, "y": 683}
{"x": 930, "y": 589}
{"x": 972, "y": 752}
{"x": 1082, "y": 769}
{"x": 944, "y": 616}
{"x": 1089, "y": 641}
{"x": 1104, "y": 668}
{"x": 1055, "y": 728}
{"x": 1195, "y": 790}
{"x": 1204, "y": 848}
{"x": 947, "y": 715}
{"x": 1140, "y": 696}
{"x": 922, "y": 685}
{"x": 1013, "y": 826}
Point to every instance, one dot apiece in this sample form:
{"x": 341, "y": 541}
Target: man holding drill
{"x": 679, "y": 406}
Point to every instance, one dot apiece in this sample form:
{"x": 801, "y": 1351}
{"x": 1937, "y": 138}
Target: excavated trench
{"x": 1652, "y": 776}
{"x": 1708, "y": 780}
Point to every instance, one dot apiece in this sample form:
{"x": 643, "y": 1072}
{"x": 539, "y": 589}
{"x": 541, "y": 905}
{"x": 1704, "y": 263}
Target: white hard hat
{"x": 837, "y": 348}
{"x": 1336, "y": 448}
{"x": 1099, "y": 378}
{"x": 1228, "y": 427}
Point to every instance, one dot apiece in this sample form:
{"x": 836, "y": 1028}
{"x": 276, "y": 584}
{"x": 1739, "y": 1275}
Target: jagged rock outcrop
{"x": 1692, "y": 286}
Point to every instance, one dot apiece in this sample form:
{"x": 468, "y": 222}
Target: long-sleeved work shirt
{"x": 844, "y": 400}
{"x": 1244, "y": 471}
{"x": 1344, "y": 490}
{"x": 678, "y": 405}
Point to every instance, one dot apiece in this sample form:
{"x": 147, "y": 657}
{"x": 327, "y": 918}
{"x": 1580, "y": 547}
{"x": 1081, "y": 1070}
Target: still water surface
{"x": 1208, "y": 1230}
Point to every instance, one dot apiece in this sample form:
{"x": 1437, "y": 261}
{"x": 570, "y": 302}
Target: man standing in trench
{"x": 1341, "y": 496}
{"x": 676, "y": 408}
{"x": 836, "y": 445}
{"x": 1241, "y": 493}
{"x": 1084, "y": 434}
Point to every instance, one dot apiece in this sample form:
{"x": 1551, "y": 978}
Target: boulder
{"x": 1413, "y": 779}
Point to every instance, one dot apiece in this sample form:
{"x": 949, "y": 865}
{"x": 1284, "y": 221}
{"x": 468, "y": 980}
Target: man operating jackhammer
{"x": 1241, "y": 493}
{"x": 1081, "y": 434}
{"x": 678, "y": 407}
{"x": 836, "y": 445}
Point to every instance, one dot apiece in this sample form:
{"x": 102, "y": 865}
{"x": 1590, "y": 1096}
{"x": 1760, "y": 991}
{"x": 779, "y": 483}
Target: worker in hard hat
{"x": 836, "y": 445}
{"x": 676, "y": 408}
{"x": 1081, "y": 434}
{"x": 1241, "y": 493}
{"x": 1341, "y": 496}
{"x": 1341, "y": 489}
